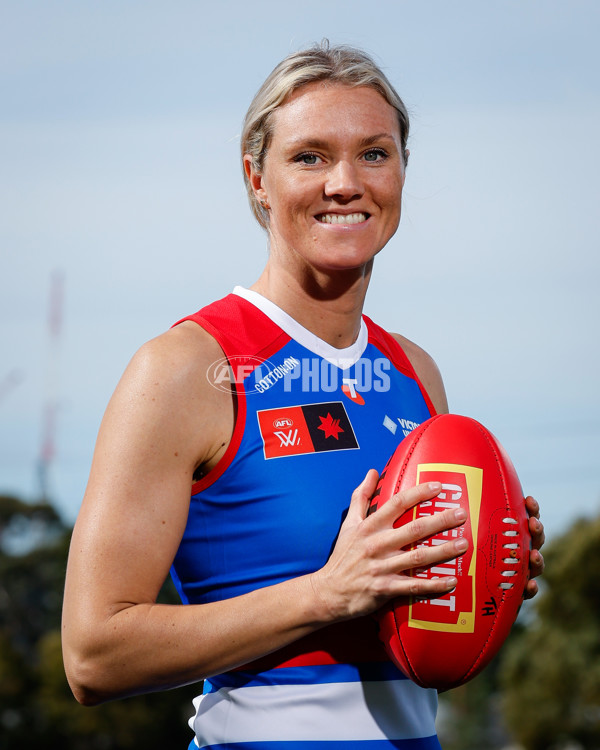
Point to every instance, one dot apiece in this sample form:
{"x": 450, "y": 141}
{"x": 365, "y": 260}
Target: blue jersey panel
{"x": 267, "y": 519}
{"x": 310, "y": 426}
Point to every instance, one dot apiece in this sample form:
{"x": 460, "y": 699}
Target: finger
{"x": 536, "y": 563}
{"x": 430, "y": 525}
{"x": 530, "y": 590}
{"x": 538, "y": 536}
{"x": 533, "y": 507}
{"x": 362, "y": 496}
{"x": 423, "y": 587}
{"x": 425, "y": 556}
{"x": 398, "y": 504}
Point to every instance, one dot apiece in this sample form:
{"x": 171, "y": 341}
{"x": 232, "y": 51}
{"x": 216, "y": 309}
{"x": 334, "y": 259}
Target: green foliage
{"x": 469, "y": 716}
{"x": 551, "y": 673}
{"x": 158, "y": 720}
{"x": 37, "y": 707}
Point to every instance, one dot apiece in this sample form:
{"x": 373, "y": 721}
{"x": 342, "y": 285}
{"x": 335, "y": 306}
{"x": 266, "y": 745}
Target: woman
{"x": 279, "y": 574}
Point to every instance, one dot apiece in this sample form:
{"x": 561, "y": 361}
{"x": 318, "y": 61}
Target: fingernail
{"x": 451, "y": 582}
{"x": 460, "y": 514}
{"x": 435, "y": 486}
{"x": 461, "y": 545}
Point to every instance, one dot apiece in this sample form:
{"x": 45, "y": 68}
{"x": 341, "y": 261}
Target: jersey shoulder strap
{"x": 241, "y": 329}
{"x": 393, "y": 350}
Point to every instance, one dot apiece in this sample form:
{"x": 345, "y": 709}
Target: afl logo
{"x": 283, "y": 422}
{"x": 226, "y": 373}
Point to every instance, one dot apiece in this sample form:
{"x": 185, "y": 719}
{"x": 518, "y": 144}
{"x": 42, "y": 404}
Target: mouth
{"x": 356, "y": 218}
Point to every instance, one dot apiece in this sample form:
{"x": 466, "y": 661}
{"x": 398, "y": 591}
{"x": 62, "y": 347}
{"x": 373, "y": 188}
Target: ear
{"x": 256, "y": 181}
{"x": 404, "y": 165}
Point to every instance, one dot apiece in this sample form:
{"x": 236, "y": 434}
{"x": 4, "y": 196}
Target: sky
{"x": 120, "y": 174}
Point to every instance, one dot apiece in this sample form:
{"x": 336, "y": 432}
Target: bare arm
{"x": 163, "y": 421}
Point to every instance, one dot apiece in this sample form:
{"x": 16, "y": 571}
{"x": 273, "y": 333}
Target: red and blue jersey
{"x": 311, "y": 421}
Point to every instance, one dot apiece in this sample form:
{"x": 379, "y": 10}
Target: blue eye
{"x": 374, "y": 155}
{"x": 308, "y": 159}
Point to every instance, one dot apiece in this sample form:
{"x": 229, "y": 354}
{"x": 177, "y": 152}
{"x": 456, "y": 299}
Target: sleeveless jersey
{"x": 311, "y": 421}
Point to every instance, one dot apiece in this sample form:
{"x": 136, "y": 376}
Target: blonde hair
{"x": 337, "y": 64}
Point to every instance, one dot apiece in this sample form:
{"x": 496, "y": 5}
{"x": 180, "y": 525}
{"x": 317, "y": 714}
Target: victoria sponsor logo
{"x": 407, "y": 425}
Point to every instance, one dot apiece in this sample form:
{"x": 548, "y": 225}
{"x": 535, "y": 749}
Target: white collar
{"x": 342, "y": 358}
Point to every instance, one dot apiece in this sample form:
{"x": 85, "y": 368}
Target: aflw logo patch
{"x": 312, "y": 428}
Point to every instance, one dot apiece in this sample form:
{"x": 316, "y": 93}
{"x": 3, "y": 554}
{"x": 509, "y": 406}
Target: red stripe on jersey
{"x": 392, "y": 349}
{"x": 350, "y": 642}
{"x": 240, "y": 329}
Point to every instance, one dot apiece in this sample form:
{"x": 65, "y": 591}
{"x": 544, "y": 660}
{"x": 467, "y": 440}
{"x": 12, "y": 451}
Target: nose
{"x": 343, "y": 181}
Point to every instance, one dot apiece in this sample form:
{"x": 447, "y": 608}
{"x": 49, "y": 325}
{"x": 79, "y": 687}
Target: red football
{"x": 445, "y": 641}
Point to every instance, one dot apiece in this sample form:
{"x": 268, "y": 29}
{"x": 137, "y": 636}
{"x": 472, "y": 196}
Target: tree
{"x": 36, "y": 704}
{"x": 551, "y": 672}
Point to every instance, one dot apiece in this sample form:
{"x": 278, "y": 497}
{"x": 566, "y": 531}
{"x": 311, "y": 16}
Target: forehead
{"x": 323, "y": 108}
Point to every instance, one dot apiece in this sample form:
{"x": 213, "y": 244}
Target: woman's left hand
{"x": 536, "y": 560}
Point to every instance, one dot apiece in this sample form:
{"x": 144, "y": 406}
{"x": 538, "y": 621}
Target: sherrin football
{"x": 443, "y": 642}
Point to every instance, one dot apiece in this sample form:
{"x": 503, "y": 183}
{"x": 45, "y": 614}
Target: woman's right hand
{"x": 372, "y": 560}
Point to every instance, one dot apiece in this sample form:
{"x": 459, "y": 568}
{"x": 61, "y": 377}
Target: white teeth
{"x": 342, "y": 219}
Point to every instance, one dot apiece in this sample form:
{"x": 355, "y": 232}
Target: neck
{"x": 328, "y": 304}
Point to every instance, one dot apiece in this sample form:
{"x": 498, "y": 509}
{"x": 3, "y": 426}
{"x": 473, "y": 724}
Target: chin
{"x": 350, "y": 259}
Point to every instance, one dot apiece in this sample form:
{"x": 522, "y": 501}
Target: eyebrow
{"x": 318, "y": 143}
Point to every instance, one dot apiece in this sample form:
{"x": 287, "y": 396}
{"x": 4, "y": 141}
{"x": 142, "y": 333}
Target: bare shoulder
{"x": 427, "y": 370}
{"x": 176, "y": 354}
{"x": 170, "y": 370}
{"x": 164, "y": 404}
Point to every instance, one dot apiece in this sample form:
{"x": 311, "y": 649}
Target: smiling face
{"x": 333, "y": 176}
